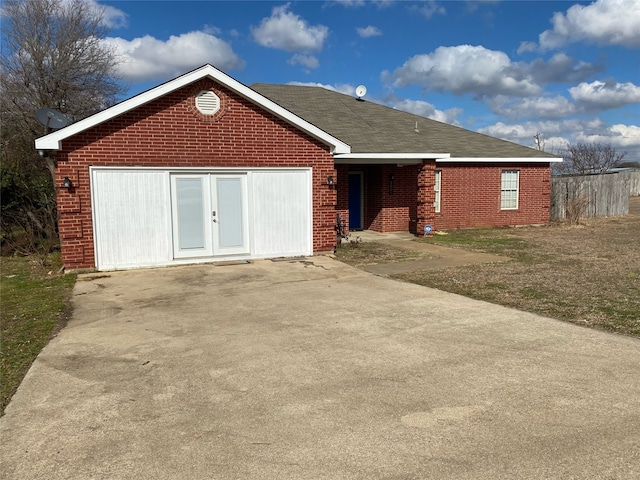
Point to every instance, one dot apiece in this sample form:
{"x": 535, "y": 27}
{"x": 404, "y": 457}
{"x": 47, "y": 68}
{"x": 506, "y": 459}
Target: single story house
{"x": 204, "y": 168}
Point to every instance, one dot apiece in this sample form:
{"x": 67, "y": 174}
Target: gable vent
{"x": 207, "y": 102}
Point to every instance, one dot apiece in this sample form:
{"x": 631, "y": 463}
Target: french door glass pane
{"x": 190, "y": 201}
{"x": 230, "y": 207}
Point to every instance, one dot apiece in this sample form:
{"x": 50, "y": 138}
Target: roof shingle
{"x": 372, "y": 128}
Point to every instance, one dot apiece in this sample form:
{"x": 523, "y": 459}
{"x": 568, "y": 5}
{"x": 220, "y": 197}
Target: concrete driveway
{"x": 316, "y": 370}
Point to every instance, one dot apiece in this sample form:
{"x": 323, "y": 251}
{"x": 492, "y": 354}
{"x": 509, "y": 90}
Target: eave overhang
{"x": 53, "y": 141}
{"x": 500, "y": 160}
{"x": 387, "y": 158}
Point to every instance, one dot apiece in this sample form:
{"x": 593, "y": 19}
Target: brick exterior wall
{"x": 342, "y": 191}
{"x": 426, "y": 196}
{"x": 170, "y": 132}
{"x": 385, "y": 209}
{"x": 470, "y": 195}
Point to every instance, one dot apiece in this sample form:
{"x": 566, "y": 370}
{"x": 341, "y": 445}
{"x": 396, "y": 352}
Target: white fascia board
{"x": 384, "y": 158}
{"x": 500, "y": 160}
{"x": 53, "y": 140}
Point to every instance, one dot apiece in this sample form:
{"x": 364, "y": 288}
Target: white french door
{"x": 229, "y": 214}
{"x": 209, "y": 215}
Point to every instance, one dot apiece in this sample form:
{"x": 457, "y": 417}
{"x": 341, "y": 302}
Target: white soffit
{"x": 384, "y": 158}
{"x": 53, "y": 140}
{"x": 499, "y": 160}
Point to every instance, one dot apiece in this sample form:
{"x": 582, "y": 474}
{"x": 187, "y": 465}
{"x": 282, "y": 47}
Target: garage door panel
{"x": 281, "y": 213}
{"x": 134, "y": 224}
{"x": 131, "y": 218}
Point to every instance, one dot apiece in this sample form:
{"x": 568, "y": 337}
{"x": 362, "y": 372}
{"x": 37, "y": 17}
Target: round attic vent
{"x": 207, "y": 102}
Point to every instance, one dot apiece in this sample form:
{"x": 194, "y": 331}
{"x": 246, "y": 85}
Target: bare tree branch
{"x": 52, "y": 56}
{"x": 588, "y": 158}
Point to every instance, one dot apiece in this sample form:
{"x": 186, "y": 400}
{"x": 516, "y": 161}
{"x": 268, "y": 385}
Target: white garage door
{"x": 281, "y": 213}
{"x": 153, "y": 217}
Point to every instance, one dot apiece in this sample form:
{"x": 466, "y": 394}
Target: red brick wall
{"x": 170, "y": 132}
{"x": 390, "y": 209}
{"x": 342, "y": 191}
{"x": 384, "y": 210}
{"x": 470, "y": 195}
{"x": 426, "y": 195}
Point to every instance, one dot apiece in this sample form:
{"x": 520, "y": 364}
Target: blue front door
{"x": 355, "y": 201}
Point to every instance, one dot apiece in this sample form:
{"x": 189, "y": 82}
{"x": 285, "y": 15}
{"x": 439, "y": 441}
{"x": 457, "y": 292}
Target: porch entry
{"x": 356, "y": 210}
{"x": 209, "y": 214}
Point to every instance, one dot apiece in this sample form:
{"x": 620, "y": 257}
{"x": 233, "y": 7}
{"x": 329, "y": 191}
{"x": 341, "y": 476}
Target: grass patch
{"x": 496, "y": 241}
{"x": 33, "y": 301}
{"x": 588, "y": 274}
{"x": 360, "y": 254}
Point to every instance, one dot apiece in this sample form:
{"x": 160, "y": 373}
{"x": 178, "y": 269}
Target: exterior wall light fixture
{"x": 330, "y": 181}
{"x": 67, "y": 183}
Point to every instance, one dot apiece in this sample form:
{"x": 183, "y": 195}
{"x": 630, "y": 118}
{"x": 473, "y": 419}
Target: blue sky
{"x": 569, "y": 71}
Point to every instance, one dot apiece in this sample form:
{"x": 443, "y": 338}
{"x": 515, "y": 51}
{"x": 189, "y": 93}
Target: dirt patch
{"x": 361, "y": 254}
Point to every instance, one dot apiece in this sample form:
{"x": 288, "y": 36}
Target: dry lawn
{"x": 360, "y": 254}
{"x": 587, "y": 274}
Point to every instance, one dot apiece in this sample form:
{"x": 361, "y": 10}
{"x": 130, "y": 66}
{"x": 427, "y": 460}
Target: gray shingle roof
{"x": 372, "y": 128}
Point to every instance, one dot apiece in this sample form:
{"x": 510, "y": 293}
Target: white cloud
{"x": 211, "y": 30}
{"x": 519, "y": 133}
{"x": 474, "y": 5}
{"x": 482, "y": 72}
{"x": 351, "y": 3}
{"x": 431, "y": 8}
{"x": 557, "y": 134}
{"x": 561, "y": 68}
{"x": 587, "y": 98}
{"x": 147, "y": 58}
{"x": 362, "y": 3}
{"x": 605, "y": 95}
{"x": 542, "y": 107}
{"x": 287, "y": 31}
{"x": 621, "y": 137}
{"x": 522, "y": 132}
{"x": 369, "y": 31}
{"x": 606, "y": 22}
{"x": 553, "y": 136}
{"x": 112, "y": 17}
{"x": 527, "y": 47}
{"x": 308, "y": 61}
{"x": 465, "y": 69}
{"x": 340, "y": 88}
{"x": 425, "y": 109}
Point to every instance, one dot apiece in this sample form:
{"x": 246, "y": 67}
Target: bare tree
{"x": 588, "y": 158}
{"x": 52, "y": 56}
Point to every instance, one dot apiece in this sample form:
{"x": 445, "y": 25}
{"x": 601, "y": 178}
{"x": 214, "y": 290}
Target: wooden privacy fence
{"x": 633, "y": 177}
{"x": 605, "y": 195}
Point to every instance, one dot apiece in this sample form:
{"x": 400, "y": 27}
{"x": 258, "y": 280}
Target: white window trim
{"x": 437, "y": 187}
{"x": 503, "y": 189}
